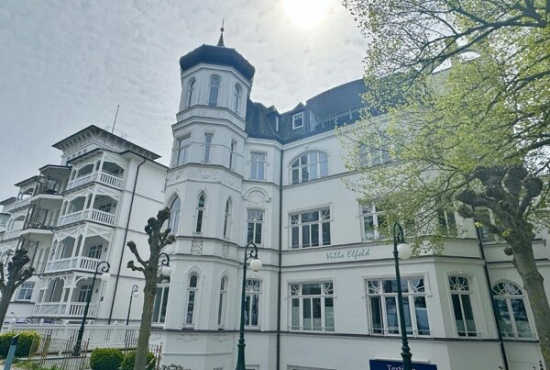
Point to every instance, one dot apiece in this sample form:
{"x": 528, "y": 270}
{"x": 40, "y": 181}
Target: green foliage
{"x": 26, "y": 346}
{"x": 106, "y": 359}
{"x": 130, "y": 359}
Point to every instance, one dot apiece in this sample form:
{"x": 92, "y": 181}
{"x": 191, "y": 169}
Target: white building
{"x": 325, "y": 297}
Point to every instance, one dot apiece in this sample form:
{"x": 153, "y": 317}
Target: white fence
{"x": 104, "y": 336}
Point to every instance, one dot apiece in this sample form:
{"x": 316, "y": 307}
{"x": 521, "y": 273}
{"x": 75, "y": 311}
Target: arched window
{"x": 190, "y": 92}
{"x": 221, "y": 308}
{"x": 461, "y": 296}
{"x": 161, "y": 300}
{"x": 192, "y": 291}
{"x": 237, "y": 99}
{"x": 213, "y": 91}
{"x": 309, "y": 166}
{"x": 175, "y": 210}
{"x": 513, "y": 319}
{"x": 201, "y": 207}
{"x": 227, "y": 220}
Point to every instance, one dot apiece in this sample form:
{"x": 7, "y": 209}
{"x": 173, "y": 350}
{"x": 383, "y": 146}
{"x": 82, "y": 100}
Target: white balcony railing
{"x": 87, "y": 214}
{"x": 99, "y": 176}
{"x": 64, "y": 309}
{"x": 11, "y": 234}
{"x": 74, "y": 263}
{"x": 22, "y": 203}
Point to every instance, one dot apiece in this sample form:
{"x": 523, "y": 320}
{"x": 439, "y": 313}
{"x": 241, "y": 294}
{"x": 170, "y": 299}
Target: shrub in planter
{"x": 130, "y": 360}
{"x": 106, "y": 359}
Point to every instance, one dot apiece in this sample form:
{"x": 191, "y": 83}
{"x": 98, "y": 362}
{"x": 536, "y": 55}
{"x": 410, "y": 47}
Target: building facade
{"x": 325, "y": 298}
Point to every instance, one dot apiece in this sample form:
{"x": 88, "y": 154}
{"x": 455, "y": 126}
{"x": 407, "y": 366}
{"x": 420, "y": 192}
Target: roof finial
{"x": 220, "y": 41}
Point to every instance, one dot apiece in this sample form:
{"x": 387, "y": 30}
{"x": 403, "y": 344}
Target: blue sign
{"x": 398, "y": 365}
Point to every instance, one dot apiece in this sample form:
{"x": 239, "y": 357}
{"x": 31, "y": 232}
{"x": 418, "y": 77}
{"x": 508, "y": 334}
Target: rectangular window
{"x": 255, "y": 225}
{"x": 310, "y": 229}
{"x": 25, "y": 292}
{"x": 312, "y": 306}
{"x": 447, "y": 223}
{"x": 207, "y": 147}
{"x": 485, "y": 216}
{"x": 298, "y": 120}
{"x": 276, "y": 123}
{"x": 83, "y": 292}
{"x": 257, "y": 165}
{"x": 252, "y": 303}
{"x": 95, "y": 251}
{"x": 462, "y": 306}
{"x": 161, "y": 302}
{"x": 382, "y": 306}
{"x": 232, "y": 155}
{"x": 375, "y": 223}
{"x": 183, "y": 146}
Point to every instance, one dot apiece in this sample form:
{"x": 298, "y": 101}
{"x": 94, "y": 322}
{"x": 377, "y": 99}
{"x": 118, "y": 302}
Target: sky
{"x": 67, "y": 64}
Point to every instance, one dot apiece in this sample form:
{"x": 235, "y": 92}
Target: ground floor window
{"x": 513, "y": 318}
{"x": 462, "y": 306}
{"x": 312, "y": 306}
{"x": 383, "y": 310}
{"x": 161, "y": 303}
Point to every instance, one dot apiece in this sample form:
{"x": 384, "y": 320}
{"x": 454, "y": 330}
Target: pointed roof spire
{"x": 220, "y": 41}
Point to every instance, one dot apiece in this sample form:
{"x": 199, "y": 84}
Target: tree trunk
{"x": 142, "y": 349}
{"x": 7, "y": 293}
{"x": 533, "y": 282}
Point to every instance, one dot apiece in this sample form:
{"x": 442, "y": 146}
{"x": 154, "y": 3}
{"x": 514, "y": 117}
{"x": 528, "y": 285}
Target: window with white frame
{"x": 485, "y": 215}
{"x": 192, "y": 292}
{"x": 375, "y": 223}
{"x": 312, "y": 306}
{"x": 297, "y": 120}
{"x": 237, "y": 98}
{"x": 161, "y": 301}
{"x": 232, "y": 155}
{"x": 461, "y": 296}
{"x": 207, "y": 148}
{"x": 512, "y": 310}
{"x": 309, "y": 166}
{"x": 83, "y": 292}
{"x": 213, "y": 91}
{"x": 382, "y": 306}
{"x": 175, "y": 211}
{"x": 182, "y": 149}
{"x": 255, "y": 220}
{"x": 227, "y": 219}
{"x": 222, "y": 303}
{"x": 25, "y": 291}
{"x": 95, "y": 251}
{"x": 252, "y": 302}
{"x": 446, "y": 222}
{"x": 376, "y": 155}
{"x": 257, "y": 165}
{"x": 201, "y": 208}
{"x": 310, "y": 228}
{"x": 190, "y": 92}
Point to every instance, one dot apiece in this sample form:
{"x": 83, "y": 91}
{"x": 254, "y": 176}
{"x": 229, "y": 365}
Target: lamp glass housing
{"x": 255, "y": 265}
{"x": 166, "y": 271}
{"x": 404, "y": 251}
{"x": 105, "y": 276}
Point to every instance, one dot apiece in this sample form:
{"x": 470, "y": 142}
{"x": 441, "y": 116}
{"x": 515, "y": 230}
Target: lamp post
{"x": 255, "y": 265}
{"x": 164, "y": 264}
{"x": 102, "y": 267}
{"x": 400, "y": 247}
{"x": 133, "y": 294}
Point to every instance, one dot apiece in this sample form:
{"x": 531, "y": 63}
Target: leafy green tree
{"x": 158, "y": 239}
{"x": 17, "y": 273}
{"x": 459, "y": 98}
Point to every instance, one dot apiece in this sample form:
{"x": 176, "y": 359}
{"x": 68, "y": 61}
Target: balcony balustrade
{"x": 11, "y": 234}
{"x": 99, "y": 176}
{"x": 64, "y": 309}
{"x": 73, "y": 263}
{"x": 87, "y": 214}
{"x": 22, "y": 203}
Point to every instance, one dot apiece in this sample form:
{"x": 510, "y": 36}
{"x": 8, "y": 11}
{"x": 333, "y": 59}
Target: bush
{"x": 106, "y": 359}
{"x": 27, "y": 344}
{"x": 130, "y": 360}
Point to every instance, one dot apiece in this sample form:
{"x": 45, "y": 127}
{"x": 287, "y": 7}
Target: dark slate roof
{"x": 337, "y": 106}
{"x": 220, "y": 56}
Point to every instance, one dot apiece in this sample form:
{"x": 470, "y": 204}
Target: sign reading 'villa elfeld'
{"x": 356, "y": 253}
{"x": 397, "y": 365}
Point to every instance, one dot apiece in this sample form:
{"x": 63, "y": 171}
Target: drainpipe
{"x": 491, "y": 295}
{"x": 124, "y": 241}
{"x": 279, "y": 277}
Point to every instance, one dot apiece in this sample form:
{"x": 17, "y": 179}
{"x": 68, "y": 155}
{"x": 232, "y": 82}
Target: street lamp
{"x": 133, "y": 294}
{"x": 403, "y": 250}
{"x": 102, "y": 267}
{"x": 164, "y": 264}
{"x": 255, "y": 265}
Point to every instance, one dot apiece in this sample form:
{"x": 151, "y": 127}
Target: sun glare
{"x": 306, "y": 13}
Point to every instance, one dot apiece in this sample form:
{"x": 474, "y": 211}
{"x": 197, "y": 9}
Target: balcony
{"x": 22, "y": 203}
{"x": 87, "y": 215}
{"x": 64, "y": 309}
{"x": 74, "y": 263}
{"x": 100, "y": 176}
{"x": 11, "y": 234}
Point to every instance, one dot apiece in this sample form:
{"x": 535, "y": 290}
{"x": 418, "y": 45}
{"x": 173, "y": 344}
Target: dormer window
{"x": 237, "y": 99}
{"x": 276, "y": 123}
{"x": 190, "y": 91}
{"x": 298, "y": 120}
{"x": 214, "y": 91}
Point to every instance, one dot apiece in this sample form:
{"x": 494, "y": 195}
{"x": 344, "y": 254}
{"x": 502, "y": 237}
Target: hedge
{"x": 25, "y": 346}
{"x": 130, "y": 360}
{"x": 106, "y": 359}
